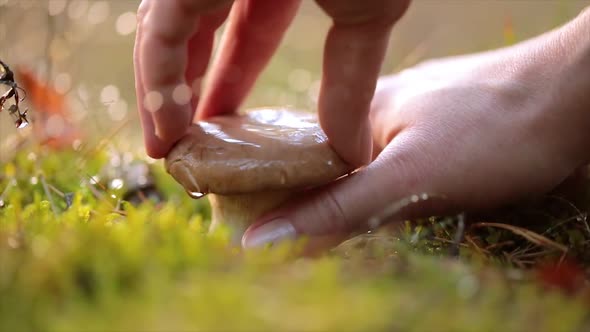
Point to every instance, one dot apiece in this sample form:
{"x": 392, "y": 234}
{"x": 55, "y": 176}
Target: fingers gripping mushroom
{"x": 251, "y": 163}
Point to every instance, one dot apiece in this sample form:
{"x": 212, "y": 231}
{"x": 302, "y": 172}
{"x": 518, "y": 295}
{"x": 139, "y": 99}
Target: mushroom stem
{"x": 238, "y": 212}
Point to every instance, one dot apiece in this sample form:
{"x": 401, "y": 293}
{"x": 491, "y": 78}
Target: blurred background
{"x": 82, "y": 49}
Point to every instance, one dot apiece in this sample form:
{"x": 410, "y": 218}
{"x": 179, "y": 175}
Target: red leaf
{"x": 53, "y": 125}
{"x": 567, "y": 276}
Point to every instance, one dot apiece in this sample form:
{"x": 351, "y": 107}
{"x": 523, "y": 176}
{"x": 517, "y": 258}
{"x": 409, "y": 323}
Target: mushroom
{"x": 251, "y": 163}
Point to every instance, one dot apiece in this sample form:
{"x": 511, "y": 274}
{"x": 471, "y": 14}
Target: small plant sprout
{"x": 252, "y": 163}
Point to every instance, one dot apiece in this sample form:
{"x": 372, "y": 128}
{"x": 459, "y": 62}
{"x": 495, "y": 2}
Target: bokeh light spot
{"x": 98, "y": 12}
{"x": 59, "y": 49}
{"x": 109, "y": 94}
{"x": 77, "y": 9}
{"x": 116, "y": 184}
{"x": 182, "y": 94}
{"x": 78, "y": 109}
{"x": 118, "y": 110}
{"x": 153, "y": 101}
{"x": 126, "y": 23}
{"x": 83, "y": 93}
{"x": 54, "y": 126}
{"x": 63, "y": 82}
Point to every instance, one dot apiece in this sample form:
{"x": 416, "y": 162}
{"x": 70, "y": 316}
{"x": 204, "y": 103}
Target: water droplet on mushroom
{"x": 195, "y": 194}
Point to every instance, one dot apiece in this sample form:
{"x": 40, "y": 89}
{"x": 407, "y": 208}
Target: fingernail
{"x": 272, "y": 232}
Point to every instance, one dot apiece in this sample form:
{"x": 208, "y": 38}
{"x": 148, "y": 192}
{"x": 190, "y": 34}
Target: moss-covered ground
{"x": 75, "y": 257}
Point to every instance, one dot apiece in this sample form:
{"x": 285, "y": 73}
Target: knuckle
{"x": 331, "y": 211}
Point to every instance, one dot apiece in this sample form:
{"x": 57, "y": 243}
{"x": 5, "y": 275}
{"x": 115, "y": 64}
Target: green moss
{"x": 93, "y": 267}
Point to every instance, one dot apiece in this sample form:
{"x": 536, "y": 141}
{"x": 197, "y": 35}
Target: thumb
{"x": 328, "y": 215}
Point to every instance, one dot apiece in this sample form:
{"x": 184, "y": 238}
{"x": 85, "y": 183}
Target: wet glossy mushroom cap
{"x": 262, "y": 150}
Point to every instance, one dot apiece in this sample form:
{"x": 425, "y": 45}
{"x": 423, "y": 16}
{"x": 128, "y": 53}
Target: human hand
{"x": 479, "y": 130}
{"x": 174, "y": 43}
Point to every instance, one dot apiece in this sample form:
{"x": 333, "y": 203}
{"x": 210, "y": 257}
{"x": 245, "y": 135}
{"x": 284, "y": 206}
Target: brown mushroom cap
{"x": 262, "y": 150}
